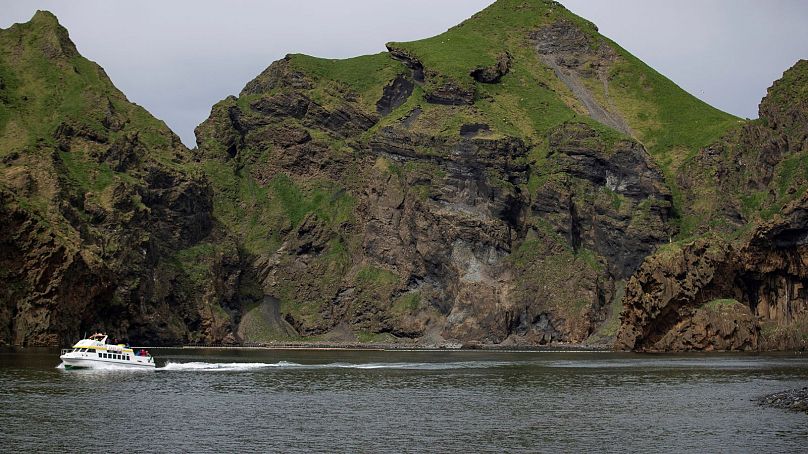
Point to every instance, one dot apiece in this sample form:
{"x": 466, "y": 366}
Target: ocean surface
{"x": 378, "y": 401}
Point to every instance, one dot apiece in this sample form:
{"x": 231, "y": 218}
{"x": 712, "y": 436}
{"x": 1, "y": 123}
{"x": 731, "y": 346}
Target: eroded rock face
{"x": 752, "y": 167}
{"x": 765, "y": 273}
{"x": 91, "y": 227}
{"x": 764, "y": 270}
{"x": 440, "y": 88}
{"x": 444, "y": 243}
{"x": 493, "y": 74}
{"x": 630, "y": 213}
{"x": 574, "y": 56}
{"x": 395, "y": 94}
{"x": 722, "y": 327}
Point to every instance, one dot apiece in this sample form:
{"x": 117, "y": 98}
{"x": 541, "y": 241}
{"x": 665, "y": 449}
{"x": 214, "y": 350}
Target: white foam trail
{"x": 225, "y": 367}
{"x": 201, "y": 366}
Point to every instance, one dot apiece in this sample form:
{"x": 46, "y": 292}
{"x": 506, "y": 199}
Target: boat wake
{"x": 224, "y": 367}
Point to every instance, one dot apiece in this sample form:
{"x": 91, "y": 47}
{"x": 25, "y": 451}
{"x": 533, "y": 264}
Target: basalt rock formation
{"x": 504, "y": 183}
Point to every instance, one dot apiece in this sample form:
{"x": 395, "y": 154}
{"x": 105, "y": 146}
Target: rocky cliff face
{"x": 762, "y": 272}
{"x": 96, "y": 201}
{"x": 506, "y": 182}
{"x": 400, "y": 209}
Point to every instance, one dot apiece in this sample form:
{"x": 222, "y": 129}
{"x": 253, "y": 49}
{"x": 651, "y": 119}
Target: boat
{"x": 95, "y": 353}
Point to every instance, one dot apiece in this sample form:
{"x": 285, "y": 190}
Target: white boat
{"x": 95, "y": 352}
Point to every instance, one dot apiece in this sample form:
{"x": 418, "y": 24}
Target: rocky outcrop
{"x": 765, "y": 273}
{"x": 720, "y": 325}
{"x": 609, "y": 200}
{"x": 440, "y": 88}
{"x": 395, "y": 94}
{"x": 793, "y": 400}
{"x": 493, "y": 74}
{"x": 764, "y": 270}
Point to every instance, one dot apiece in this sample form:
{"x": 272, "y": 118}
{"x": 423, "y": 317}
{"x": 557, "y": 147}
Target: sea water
{"x": 399, "y": 401}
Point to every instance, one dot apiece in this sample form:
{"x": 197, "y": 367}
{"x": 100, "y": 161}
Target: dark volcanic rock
{"x": 794, "y": 400}
{"x": 409, "y": 61}
{"x": 765, "y": 273}
{"x": 624, "y": 227}
{"x": 395, "y": 94}
{"x": 443, "y": 90}
{"x": 493, "y": 74}
{"x": 470, "y": 130}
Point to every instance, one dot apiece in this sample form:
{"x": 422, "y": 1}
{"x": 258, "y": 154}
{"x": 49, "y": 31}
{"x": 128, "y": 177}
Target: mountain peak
{"x": 50, "y": 36}
{"x": 44, "y": 17}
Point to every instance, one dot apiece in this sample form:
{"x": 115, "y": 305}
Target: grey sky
{"x": 177, "y": 58}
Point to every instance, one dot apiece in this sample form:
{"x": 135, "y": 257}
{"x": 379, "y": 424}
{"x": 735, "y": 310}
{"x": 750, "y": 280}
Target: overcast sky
{"x": 177, "y": 58}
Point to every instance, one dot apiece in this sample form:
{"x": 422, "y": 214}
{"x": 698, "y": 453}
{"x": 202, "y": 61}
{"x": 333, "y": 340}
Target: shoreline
{"x": 329, "y": 346}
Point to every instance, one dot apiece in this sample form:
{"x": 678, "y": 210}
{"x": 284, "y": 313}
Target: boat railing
{"x": 65, "y": 351}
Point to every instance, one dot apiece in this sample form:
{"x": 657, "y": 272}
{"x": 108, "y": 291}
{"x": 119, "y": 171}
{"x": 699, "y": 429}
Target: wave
{"x": 224, "y": 367}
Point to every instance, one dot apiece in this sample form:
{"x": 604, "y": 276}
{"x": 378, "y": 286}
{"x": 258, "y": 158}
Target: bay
{"x": 227, "y": 400}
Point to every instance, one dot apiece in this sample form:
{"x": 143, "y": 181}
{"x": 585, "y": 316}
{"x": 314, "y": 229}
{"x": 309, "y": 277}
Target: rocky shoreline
{"x": 793, "y": 399}
{"x": 396, "y": 346}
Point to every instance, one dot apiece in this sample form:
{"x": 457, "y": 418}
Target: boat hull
{"x": 84, "y": 363}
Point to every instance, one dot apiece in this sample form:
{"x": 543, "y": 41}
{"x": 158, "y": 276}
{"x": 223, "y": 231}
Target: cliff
{"x": 99, "y": 203}
{"x": 749, "y": 192}
{"x": 517, "y": 180}
{"x": 488, "y": 185}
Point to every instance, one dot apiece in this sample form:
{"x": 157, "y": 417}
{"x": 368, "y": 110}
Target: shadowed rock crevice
{"x": 395, "y": 94}
{"x": 493, "y": 74}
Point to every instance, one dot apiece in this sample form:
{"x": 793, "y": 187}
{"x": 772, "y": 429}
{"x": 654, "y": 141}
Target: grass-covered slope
{"x": 50, "y": 94}
{"x": 530, "y": 100}
{"x": 660, "y": 114}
